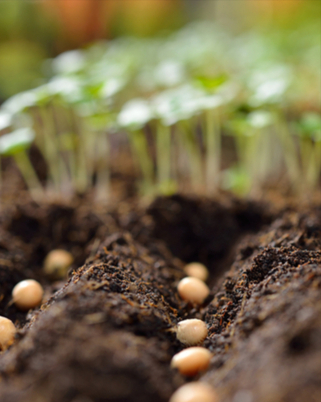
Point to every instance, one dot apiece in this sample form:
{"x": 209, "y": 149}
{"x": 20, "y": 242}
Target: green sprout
{"x": 20, "y": 102}
{"x": 16, "y": 144}
{"x": 237, "y": 180}
{"x": 252, "y": 134}
{"x": 290, "y": 153}
{"x": 309, "y": 131}
{"x": 177, "y": 99}
{"x": 210, "y": 102}
{"x": 269, "y": 86}
{"x": 134, "y": 116}
{"x": 179, "y": 108}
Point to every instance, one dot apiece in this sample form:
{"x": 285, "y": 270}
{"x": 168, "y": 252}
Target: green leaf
{"x": 169, "y": 73}
{"x": 310, "y": 126}
{"x": 18, "y": 103}
{"x": 237, "y": 180}
{"x": 178, "y": 104}
{"x": 135, "y": 114}
{"x": 260, "y": 119}
{"x": 16, "y": 141}
{"x": 70, "y": 89}
{"x": 69, "y": 62}
{"x": 211, "y": 83}
{"x": 5, "y": 120}
{"x": 238, "y": 126}
{"x": 269, "y": 86}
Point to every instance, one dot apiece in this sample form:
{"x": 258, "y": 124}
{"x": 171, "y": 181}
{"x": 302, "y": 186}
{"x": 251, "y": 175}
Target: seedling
{"x": 176, "y": 105}
{"x": 16, "y": 144}
{"x": 164, "y": 158}
{"x": 309, "y": 132}
{"x": 134, "y": 116}
{"x": 191, "y": 361}
{"x": 210, "y": 104}
{"x": 291, "y": 157}
{"x": 255, "y": 148}
{"x": 184, "y": 107}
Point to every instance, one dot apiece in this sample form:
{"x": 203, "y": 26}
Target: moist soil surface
{"x": 105, "y": 333}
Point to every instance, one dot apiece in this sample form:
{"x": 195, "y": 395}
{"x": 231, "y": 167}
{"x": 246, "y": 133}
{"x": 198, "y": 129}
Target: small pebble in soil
{"x": 27, "y": 294}
{"x": 194, "y": 392}
{"x": 7, "y": 333}
{"x": 193, "y": 290}
{"x": 196, "y": 270}
{"x": 191, "y": 361}
{"x": 191, "y": 331}
{"x": 57, "y": 263}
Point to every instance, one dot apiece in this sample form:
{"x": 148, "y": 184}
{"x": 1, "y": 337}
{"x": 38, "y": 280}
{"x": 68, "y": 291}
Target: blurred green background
{"x": 32, "y": 31}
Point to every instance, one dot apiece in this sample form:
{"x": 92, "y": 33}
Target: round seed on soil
{"x": 191, "y": 361}
{"x": 196, "y": 270}
{"x": 7, "y": 333}
{"x": 27, "y": 294}
{"x": 193, "y": 290}
{"x": 191, "y": 332}
{"x": 194, "y": 392}
{"x": 57, "y": 263}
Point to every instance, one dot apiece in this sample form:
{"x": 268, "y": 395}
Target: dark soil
{"x": 104, "y": 335}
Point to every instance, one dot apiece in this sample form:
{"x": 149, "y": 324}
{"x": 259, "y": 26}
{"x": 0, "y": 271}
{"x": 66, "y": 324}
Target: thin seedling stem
{"x": 28, "y": 173}
{"x": 82, "y": 179}
{"x": 191, "y": 145}
{"x": 314, "y": 166}
{"x": 103, "y": 172}
{"x": 50, "y": 147}
{"x": 142, "y": 155}
{"x": 163, "y": 153}
{"x": 289, "y": 152}
{"x": 0, "y": 175}
{"x": 213, "y": 150}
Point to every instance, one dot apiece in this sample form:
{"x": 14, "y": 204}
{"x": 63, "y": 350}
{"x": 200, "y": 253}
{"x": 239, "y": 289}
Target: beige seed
{"x": 57, "y": 263}
{"x": 196, "y": 270}
{"x": 192, "y": 360}
{"x": 27, "y": 294}
{"x": 191, "y": 332}
{"x": 193, "y": 290}
{"x": 7, "y": 333}
{"x": 195, "y": 392}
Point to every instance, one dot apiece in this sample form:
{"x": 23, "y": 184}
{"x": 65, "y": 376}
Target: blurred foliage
{"x": 20, "y": 66}
{"x": 46, "y": 28}
{"x": 25, "y": 41}
{"x": 187, "y": 89}
{"x": 174, "y": 96}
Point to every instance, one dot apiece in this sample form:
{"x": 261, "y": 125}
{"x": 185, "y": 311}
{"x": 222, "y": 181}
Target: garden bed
{"x": 126, "y": 156}
{"x": 104, "y": 334}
